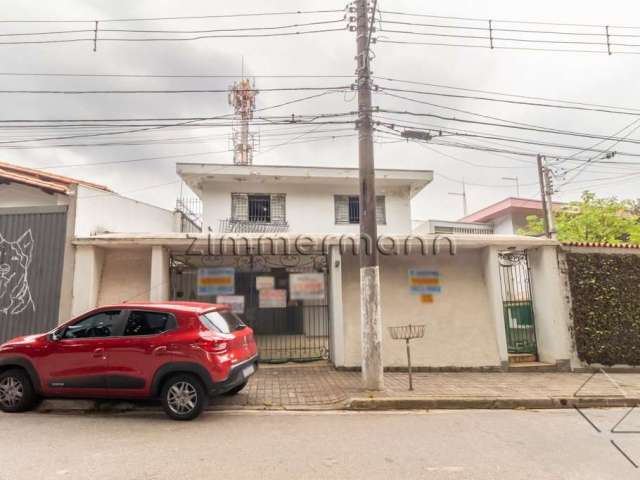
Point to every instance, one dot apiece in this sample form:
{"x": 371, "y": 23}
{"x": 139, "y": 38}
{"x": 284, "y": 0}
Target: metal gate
{"x": 32, "y": 244}
{"x": 517, "y": 302}
{"x": 297, "y": 331}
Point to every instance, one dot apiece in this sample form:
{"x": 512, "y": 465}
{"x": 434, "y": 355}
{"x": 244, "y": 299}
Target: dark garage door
{"x": 31, "y": 259}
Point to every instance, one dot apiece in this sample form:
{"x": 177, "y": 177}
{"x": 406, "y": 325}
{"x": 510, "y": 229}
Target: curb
{"x": 360, "y": 404}
{"x": 488, "y": 403}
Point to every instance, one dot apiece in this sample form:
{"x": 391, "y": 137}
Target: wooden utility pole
{"x": 543, "y": 196}
{"x": 370, "y": 313}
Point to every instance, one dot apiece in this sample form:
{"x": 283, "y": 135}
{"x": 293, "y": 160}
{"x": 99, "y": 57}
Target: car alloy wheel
{"x": 182, "y": 398}
{"x": 11, "y": 392}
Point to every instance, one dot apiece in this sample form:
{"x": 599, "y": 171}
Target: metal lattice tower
{"x": 243, "y": 100}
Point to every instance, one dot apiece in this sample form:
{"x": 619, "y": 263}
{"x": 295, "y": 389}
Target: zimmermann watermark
{"x": 305, "y": 244}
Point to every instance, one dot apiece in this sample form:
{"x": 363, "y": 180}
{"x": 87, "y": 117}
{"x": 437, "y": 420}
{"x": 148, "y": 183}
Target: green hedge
{"x": 605, "y": 298}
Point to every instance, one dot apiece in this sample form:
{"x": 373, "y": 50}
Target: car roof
{"x": 189, "y": 307}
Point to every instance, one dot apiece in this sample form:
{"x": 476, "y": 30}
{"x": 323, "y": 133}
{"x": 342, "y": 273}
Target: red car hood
{"x": 28, "y": 339}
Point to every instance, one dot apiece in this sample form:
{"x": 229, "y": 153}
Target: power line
{"x": 191, "y": 17}
{"x": 490, "y": 92}
{"x": 151, "y": 75}
{"x": 226, "y": 91}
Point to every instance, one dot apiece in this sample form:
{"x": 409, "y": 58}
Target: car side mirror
{"x": 57, "y": 335}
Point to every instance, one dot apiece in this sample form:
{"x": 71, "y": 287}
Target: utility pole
{"x": 543, "y": 196}
{"x": 370, "y": 312}
{"x": 548, "y": 184}
{"x": 463, "y": 195}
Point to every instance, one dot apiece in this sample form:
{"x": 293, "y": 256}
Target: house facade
{"x": 280, "y": 246}
{"x": 40, "y": 216}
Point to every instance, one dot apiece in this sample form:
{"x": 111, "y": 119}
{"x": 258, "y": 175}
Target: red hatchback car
{"x": 181, "y": 352}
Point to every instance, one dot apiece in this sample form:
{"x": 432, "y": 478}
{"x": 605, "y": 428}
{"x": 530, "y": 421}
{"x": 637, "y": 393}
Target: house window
{"x": 347, "y": 209}
{"x": 258, "y": 208}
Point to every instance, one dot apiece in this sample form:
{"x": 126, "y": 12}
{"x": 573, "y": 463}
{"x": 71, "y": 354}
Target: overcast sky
{"x": 582, "y": 77}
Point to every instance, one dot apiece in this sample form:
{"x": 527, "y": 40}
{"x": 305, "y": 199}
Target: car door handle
{"x": 99, "y": 353}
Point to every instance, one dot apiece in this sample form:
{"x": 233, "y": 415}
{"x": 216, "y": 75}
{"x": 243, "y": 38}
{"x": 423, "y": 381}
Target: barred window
{"x": 258, "y": 208}
{"x": 347, "y": 209}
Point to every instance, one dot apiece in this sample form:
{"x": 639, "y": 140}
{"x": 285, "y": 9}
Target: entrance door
{"x": 517, "y": 302}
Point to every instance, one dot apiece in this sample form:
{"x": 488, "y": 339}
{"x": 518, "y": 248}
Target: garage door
{"x": 31, "y": 259}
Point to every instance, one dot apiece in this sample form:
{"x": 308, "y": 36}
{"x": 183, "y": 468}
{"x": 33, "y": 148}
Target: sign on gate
{"x": 236, "y": 302}
{"x": 216, "y": 281}
{"x": 272, "y": 298}
{"x": 265, "y": 282}
{"x": 306, "y": 286}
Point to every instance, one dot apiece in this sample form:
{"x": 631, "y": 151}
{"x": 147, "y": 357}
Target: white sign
{"x": 307, "y": 286}
{"x": 265, "y": 282}
{"x": 236, "y": 302}
{"x": 272, "y": 298}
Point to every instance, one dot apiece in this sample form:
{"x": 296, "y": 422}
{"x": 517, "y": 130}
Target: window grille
{"x": 347, "y": 209}
{"x": 258, "y": 208}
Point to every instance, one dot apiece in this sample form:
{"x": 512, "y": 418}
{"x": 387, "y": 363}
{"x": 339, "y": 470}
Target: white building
{"x": 302, "y": 200}
{"x": 486, "y": 300}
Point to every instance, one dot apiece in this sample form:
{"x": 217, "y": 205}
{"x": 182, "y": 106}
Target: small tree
{"x": 592, "y": 220}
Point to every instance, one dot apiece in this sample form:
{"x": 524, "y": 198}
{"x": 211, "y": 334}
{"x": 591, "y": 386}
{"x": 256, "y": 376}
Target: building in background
{"x": 505, "y": 217}
{"x": 40, "y": 215}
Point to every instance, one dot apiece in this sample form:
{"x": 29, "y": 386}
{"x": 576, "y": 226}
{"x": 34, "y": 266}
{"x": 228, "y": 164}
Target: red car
{"x": 181, "y": 352}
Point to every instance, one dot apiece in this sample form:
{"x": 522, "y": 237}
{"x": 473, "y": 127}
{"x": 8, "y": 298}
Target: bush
{"x": 606, "y": 307}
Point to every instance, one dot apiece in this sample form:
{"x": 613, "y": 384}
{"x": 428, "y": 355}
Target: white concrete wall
{"x": 87, "y": 280}
{"x": 100, "y": 212}
{"x": 460, "y": 324}
{"x": 126, "y": 276}
{"x": 309, "y": 208}
{"x": 550, "y": 307}
{"x": 16, "y": 195}
{"x": 503, "y": 225}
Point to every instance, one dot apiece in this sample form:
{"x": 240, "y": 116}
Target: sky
{"x": 593, "y": 78}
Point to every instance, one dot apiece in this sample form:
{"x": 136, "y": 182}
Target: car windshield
{"x": 222, "y": 321}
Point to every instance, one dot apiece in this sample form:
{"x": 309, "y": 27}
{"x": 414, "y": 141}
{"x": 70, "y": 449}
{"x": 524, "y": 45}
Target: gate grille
{"x": 517, "y": 302}
{"x": 298, "y": 332}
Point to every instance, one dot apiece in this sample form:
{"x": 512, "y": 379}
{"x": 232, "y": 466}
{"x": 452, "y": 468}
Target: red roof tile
{"x": 37, "y": 178}
{"x": 601, "y": 245}
{"x": 505, "y": 206}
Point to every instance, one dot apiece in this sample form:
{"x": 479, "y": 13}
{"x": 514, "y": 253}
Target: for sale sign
{"x": 307, "y": 286}
{"x": 272, "y": 298}
{"x": 216, "y": 281}
{"x": 235, "y": 302}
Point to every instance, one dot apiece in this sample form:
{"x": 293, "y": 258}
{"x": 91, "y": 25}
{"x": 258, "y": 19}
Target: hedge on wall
{"x": 606, "y": 307}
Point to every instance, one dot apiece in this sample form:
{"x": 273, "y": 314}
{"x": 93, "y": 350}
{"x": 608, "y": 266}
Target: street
{"x": 471, "y": 444}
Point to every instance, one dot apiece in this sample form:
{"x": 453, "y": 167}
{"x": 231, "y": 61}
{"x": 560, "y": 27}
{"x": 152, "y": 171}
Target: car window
{"x": 223, "y": 322}
{"x": 103, "y": 324}
{"x": 148, "y": 323}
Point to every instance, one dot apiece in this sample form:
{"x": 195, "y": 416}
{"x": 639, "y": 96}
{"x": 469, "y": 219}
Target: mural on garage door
{"x": 32, "y": 242}
{"x": 15, "y": 258}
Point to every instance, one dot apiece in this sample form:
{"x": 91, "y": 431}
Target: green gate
{"x": 517, "y": 302}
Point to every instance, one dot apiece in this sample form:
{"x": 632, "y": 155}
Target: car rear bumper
{"x": 236, "y": 376}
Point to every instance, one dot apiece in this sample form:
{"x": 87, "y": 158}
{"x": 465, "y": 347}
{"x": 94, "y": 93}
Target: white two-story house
{"x": 298, "y": 200}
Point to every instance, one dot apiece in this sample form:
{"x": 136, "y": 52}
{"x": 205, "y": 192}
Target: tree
{"x": 593, "y": 220}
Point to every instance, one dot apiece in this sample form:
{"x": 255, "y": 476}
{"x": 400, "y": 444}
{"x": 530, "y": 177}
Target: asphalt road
{"x": 470, "y": 444}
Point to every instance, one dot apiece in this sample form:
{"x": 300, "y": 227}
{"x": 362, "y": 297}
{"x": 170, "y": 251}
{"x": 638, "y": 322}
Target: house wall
{"x": 309, "y": 208}
{"x": 460, "y": 324}
{"x": 503, "y": 225}
{"x": 126, "y": 276}
{"x": 99, "y": 211}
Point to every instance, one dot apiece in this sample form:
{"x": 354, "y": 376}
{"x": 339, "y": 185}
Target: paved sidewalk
{"x": 318, "y": 386}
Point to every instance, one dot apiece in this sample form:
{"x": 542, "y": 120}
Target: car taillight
{"x": 217, "y": 345}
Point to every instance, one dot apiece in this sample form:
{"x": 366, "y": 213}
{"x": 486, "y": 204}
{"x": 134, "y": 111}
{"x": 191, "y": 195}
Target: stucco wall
{"x": 99, "y": 211}
{"x": 126, "y": 276}
{"x": 460, "y": 329}
{"x": 309, "y": 208}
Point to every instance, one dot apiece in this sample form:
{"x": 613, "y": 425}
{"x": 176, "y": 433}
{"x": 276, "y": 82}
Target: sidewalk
{"x": 314, "y": 387}
{"x": 321, "y": 387}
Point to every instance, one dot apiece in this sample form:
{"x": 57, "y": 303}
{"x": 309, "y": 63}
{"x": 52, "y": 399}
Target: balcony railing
{"x": 230, "y": 225}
